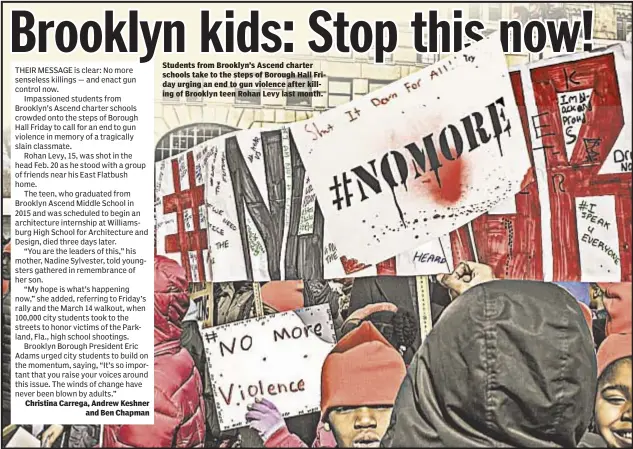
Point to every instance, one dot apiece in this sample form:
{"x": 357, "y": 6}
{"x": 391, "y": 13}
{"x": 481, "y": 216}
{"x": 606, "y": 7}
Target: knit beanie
{"x": 283, "y": 296}
{"x": 363, "y": 369}
{"x": 617, "y": 302}
{"x": 614, "y": 347}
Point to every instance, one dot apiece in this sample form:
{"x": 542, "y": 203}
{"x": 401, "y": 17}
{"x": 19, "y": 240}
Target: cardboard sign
{"x": 418, "y": 158}
{"x": 278, "y": 357}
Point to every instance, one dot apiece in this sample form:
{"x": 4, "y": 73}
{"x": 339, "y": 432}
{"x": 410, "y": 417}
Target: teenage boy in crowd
{"x": 359, "y": 382}
{"x": 397, "y": 326}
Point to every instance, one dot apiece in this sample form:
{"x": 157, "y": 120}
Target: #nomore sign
{"x": 418, "y": 158}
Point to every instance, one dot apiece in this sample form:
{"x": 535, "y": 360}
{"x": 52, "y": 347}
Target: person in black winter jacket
{"x": 509, "y": 363}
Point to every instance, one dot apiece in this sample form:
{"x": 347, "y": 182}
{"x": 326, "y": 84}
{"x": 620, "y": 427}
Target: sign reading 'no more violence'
{"x": 418, "y": 158}
{"x": 278, "y": 357}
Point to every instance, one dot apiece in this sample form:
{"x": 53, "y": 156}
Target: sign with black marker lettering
{"x": 418, "y": 158}
{"x": 598, "y": 240}
{"x": 278, "y": 357}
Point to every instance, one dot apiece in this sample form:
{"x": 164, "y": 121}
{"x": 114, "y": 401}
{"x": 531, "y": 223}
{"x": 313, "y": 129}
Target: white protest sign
{"x": 418, "y": 158}
{"x": 598, "y": 240}
{"x": 278, "y": 357}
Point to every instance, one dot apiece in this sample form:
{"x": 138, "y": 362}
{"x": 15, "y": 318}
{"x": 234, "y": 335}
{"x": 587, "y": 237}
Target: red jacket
{"x": 179, "y": 419}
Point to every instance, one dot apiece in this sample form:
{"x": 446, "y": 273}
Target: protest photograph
{"x": 383, "y": 224}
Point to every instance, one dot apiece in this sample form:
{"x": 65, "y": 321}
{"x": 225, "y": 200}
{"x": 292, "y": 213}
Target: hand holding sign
{"x": 278, "y": 356}
{"x": 265, "y": 418}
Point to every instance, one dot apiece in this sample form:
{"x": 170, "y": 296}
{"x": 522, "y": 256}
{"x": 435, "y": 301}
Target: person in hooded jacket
{"x": 179, "y": 415}
{"x": 191, "y": 340}
{"x": 509, "y": 363}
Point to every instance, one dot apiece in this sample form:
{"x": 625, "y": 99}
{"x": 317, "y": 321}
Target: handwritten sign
{"x": 430, "y": 258}
{"x": 598, "y": 239}
{"x": 619, "y": 159}
{"x": 423, "y": 156}
{"x": 265, "y": 219}
{"x": 573, "y": 107}
{"x": 278, "y": 357}
{"x": 182, "y": 228}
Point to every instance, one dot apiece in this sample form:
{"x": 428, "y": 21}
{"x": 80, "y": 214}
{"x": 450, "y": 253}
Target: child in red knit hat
{"x": 360, "y": 379}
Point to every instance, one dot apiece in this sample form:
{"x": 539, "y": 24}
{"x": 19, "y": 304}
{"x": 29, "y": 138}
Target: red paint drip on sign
{"x": 454, "y": 179}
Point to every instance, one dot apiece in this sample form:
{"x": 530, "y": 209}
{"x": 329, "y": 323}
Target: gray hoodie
{"x": 508, "y": 364}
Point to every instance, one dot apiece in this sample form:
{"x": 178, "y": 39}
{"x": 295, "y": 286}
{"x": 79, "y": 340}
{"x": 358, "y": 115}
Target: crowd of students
{"x": 510, "y": 363}
{"x": 507, "y": 363}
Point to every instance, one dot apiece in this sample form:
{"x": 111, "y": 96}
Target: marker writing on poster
{"x": 623, "y": 157}
{"x": 244, "y": 355}
{"x": 588, "y": 213}
{"x": 246, "y": 341}
{"x": 258, "y": 389}
{"x": 428, "y": 258}
{"x": 573, "y": 107}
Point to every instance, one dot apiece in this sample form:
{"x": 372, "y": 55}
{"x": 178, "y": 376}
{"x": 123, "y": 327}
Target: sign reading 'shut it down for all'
{"x": 418, "y": 158}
